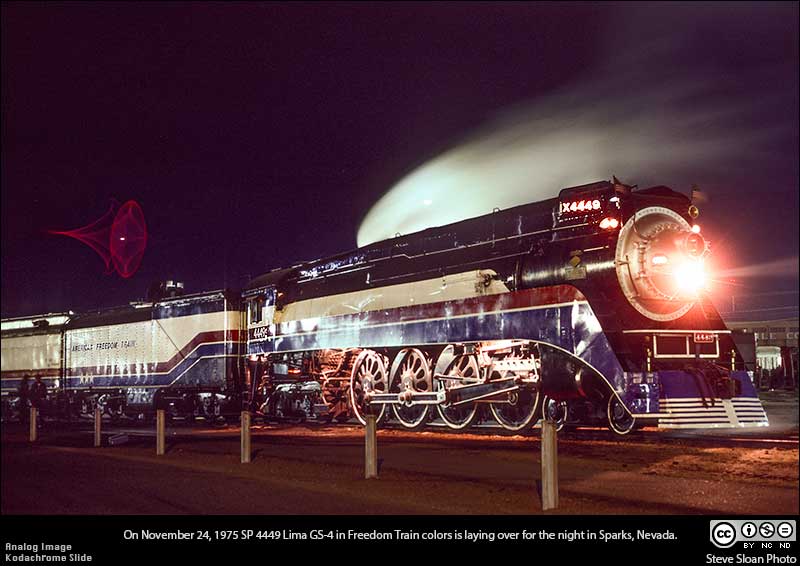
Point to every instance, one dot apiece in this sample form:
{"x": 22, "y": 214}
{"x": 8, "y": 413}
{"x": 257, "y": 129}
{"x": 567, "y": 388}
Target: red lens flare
{"x": 119, "y": 237}
{"x": 128, "y": 239}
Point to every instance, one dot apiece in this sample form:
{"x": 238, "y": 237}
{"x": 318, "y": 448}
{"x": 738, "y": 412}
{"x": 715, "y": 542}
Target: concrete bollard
{"x": 34, "y": 430}
{"x": 549, "y": 466}
{"x": 161, "y": 421}
{"x": 98, "y": 419}
{"x": 370, "y": 448}
{"x": 246, "y": 437}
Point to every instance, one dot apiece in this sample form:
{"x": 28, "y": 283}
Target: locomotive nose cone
{"x": 659, "y": 263}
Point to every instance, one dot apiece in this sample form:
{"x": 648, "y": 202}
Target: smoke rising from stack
{"x": 660, "y": 110}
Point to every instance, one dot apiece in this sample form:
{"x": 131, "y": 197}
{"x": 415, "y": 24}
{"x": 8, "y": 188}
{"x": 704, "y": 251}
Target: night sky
{"x": 255, "y": 136}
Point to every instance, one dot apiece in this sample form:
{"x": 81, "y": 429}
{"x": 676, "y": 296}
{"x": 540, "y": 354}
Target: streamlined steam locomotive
{"x": 585, "y": 307}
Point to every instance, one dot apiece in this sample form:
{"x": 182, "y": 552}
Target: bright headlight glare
{"x": 690, "y": 276}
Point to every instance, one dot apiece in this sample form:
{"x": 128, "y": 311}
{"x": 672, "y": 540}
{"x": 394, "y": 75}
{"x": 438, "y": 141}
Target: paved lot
{"x": 319, "y": 470}
{"x": 307, "y": 471}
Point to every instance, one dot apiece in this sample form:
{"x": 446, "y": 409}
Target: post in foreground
{"x": 549, "y": 466}
{"x": 370, "y": 448}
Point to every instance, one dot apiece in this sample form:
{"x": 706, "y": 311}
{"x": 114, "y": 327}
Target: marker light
{"x": 696, "y": 228}
{"x": 607, "y": 223}
{"x": 695, "y": 245}
{"x": 660, "y": 259}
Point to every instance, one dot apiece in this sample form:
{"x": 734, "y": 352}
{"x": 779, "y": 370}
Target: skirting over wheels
{"x": 556, "y": 411}
{"x": 369, "y": 375}
{"x": 620, "y": 419}
{"x": 412, "y": 374}
{"x": 466, "y": 370}
{"x": 519, "y": 412}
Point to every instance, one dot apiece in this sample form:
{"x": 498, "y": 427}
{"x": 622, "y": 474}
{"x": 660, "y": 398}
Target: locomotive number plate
{"x": 704, "y": 337}
{"x": 579, "y": 206}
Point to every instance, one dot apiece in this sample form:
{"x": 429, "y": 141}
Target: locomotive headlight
{"x": 690, "y": 276}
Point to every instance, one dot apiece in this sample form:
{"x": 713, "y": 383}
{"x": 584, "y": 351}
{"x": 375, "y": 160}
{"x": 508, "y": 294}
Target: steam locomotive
{"x": 582, "y": 308}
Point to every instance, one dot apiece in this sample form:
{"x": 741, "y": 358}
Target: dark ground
{"x": 306, "y": 470}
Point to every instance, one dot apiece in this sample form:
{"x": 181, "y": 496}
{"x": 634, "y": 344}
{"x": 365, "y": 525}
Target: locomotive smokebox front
{"x": 660, "y": 263}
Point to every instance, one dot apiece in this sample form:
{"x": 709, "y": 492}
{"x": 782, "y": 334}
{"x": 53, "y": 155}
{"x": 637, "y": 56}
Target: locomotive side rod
{"x": 413, "y": 397}
{"x": 456, "y": 396}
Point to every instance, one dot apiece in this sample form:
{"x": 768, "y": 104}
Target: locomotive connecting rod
{"x": 481, "y": 391}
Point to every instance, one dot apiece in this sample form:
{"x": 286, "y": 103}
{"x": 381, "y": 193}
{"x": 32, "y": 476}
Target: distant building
{"x": 782, "y": 333}
{"x": 776, "y": 346}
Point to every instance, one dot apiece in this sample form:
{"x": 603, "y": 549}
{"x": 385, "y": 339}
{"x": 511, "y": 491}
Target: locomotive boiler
{"x": 589, "y": 305}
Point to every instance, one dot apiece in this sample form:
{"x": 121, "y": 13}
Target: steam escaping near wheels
{"x": 119, "y": 237}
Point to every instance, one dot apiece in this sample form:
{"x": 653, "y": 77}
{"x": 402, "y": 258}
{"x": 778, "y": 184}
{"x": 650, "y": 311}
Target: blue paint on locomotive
{"x": 572, "y": 327}
{"x": 551, "y": 325}
{"x": 683, "y": 384}
{"x": 642, "y": 398}
{"x": 690, "y": 400}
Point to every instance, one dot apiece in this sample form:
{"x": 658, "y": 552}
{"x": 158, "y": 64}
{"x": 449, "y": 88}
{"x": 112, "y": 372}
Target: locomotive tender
{"x": 180, "y": 353}
{"x": 582, "y": 307}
